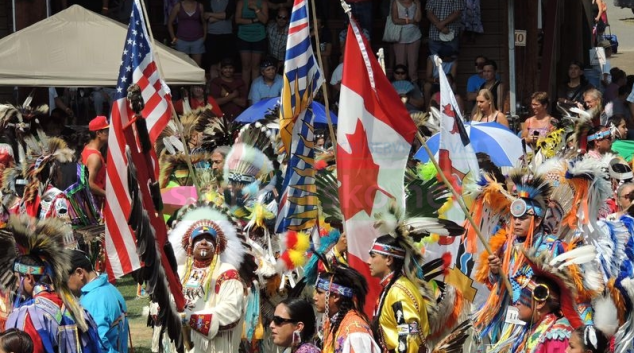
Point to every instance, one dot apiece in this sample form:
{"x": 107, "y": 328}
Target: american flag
{"x": 302, "y": 78}
{"x": 137, "y": 67}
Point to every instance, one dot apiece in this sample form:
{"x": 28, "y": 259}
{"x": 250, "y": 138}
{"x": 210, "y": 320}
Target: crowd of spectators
{"x": 241, "y": 44}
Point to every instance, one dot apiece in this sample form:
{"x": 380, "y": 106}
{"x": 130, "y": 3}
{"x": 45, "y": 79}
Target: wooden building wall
{"x": 6, "y": 27}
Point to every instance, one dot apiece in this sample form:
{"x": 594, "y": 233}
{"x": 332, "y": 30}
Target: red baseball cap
{"x": 98, "y": 123}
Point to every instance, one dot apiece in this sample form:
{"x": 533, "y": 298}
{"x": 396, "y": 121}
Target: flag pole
{"x": 179, "y": 126}
{"x": 324, "y": 88}
{"x": 460, "y": 201}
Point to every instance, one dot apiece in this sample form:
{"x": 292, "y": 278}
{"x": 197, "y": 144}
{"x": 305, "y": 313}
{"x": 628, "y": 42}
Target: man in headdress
{"x": 211, "y": 283}
{"x": 400, "y": 318}
{"x": 525, "y": 231}
{"x": 45, "y": 308}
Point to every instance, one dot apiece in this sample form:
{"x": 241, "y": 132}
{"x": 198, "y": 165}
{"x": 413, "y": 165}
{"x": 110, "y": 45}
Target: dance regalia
{"x": 490, "y": 317}
{"x": 353, "y": 336}
{"x": 51, "y": 326}
{"x": 403, "y": 320}
{"x": 550, "y": 335}
{"x": 216, "y": 306}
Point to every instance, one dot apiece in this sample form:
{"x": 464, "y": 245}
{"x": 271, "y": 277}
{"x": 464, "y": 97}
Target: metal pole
{"x": 511, "y": 38}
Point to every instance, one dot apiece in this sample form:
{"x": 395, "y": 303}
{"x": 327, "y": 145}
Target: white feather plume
{"x": 605, "y": 315}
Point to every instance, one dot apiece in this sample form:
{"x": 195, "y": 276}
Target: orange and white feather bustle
{"x": 294, "y": 256}
{"x": 491, "y": 206}
{"x": 590, "y": 180}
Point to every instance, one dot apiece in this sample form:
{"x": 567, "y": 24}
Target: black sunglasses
{"x": 278, "y": 321}
{"x": 399, "y": 72}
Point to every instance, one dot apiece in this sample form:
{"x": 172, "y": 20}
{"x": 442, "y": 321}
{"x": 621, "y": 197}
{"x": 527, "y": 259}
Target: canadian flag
{"x": 374, "y": 138}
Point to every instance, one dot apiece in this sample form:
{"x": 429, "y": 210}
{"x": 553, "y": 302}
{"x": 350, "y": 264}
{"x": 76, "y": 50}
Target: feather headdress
{"x": 556, "y": 269}
{"x": 45, "y": 168}
{"x": 21, "y": 122}
{"x": 43, "y": 242}
{"x": 533, "y": 188}
{"x": 228, "y": 245}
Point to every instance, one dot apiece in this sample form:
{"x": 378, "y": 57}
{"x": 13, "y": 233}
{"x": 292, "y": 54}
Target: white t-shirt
{"x": 337, "y": 75}
{"x": 630, "y": 98}
{"x": 52, "y": 94}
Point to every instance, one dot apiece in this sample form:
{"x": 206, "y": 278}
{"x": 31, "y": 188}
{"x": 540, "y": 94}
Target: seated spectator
{"x": 192, "y": 29}
{"x": 620, "y": 105}
{"x": 593, "y": 102}
{"x": 572, "y": 90}
{"x": 487, "y": 112}
{"x": 449, "y": 66}
{"x": 475, "y": 81}
{"x": 269, "y": 85}
{"x": 229, "y": 91}
{"x": 219, "y": 17}
{"x": 277, "y": 32}
{"x": 540, "y": 124}
{"x": 410, "y": 94}
{"x": 196, "y": 99}
{"x": 493, "y": 84}
{"x": 618, "y": 79}
{"x": 251, "y": 18}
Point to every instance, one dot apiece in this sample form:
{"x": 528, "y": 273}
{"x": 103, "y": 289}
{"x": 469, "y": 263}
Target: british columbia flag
{"x": 302, "y": 78}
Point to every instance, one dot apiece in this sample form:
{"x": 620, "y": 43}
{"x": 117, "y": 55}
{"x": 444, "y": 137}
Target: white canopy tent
{"x": 79, "y": 48}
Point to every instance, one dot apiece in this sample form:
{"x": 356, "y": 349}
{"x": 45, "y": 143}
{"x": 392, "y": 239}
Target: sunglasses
{"x": 278, "y": 321}
{"x": 399, "y": 72}
{"x": 281, "y": 17}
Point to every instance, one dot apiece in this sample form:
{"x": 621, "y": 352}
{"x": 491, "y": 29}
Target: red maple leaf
{"x": 358, "y": 174}
{"x": 447, "y": 109}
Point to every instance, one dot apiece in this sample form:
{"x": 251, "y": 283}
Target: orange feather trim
{"x": 496, "y": 242}
{"x": 618, "y": 299}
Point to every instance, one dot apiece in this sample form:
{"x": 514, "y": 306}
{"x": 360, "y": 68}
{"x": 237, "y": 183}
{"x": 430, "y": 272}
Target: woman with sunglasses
{"x": 293, "y": 326}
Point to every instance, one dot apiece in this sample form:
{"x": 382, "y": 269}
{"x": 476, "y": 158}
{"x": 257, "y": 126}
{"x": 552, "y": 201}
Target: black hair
{"x": 301, "y": 310}
{"x": 480, "y": 57}
{"x": 491, "y": 63}
{"x": 593, "y": 131}
{"x": 348, "y": 277}
{"x": 486, "y": 165}
{"x": 625, "y": 90}
{"x": 29, "y": 260}
{"x": 16, "y": 341}
{"x": 616, "y": 120}
{"x": 79, "y": 259}
{"x": 554, "y": 298}
{"x": 397, "y": 267}
{"x": 603, "y": 343}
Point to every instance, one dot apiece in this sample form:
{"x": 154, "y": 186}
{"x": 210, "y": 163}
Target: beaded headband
{"x": 28, "y": 269}
{"x": 387, "y": 250}
{"x": 520, "y": 207}
{"x": 599, "y": 135}
{"x": 328, "y": 286}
